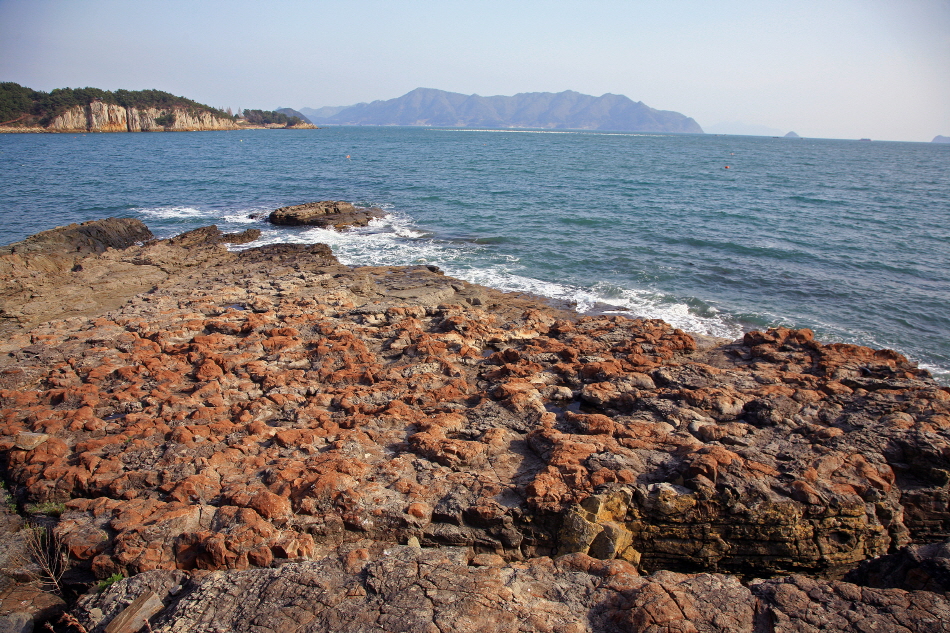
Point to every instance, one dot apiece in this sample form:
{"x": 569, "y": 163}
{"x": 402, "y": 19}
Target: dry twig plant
{"x": 49, "y": 552}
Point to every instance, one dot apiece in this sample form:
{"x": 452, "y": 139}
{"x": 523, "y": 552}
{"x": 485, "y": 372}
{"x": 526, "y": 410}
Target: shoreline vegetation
{"x": 83, "y": 110}
{"x": 389, "y": 448}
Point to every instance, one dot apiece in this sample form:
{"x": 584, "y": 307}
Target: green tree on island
{"x": 18, "y": 102}
{"x": 266, "y": 117}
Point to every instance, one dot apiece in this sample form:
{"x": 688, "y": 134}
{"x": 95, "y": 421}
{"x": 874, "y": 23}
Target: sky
{"x": 831, "y": 69}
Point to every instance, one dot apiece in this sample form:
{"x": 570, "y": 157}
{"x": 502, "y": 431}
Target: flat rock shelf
{"x": 268, "y": 439}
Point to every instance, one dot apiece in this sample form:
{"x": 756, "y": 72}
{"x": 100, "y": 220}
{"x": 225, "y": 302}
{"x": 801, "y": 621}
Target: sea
{"x": 715, "y": 234}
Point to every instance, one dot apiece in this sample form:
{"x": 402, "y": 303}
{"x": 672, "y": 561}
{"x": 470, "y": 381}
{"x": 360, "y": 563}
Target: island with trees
{"x": 23, "y": 109}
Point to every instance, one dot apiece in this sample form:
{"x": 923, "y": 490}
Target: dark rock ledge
{"x": 267, "y": 440}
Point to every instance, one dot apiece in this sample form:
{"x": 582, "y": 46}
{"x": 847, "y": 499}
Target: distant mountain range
{"x": 544, "y": 110}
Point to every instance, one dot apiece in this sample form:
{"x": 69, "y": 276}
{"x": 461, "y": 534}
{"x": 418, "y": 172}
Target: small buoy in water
{"x": 347, "y": 157}
{"x": 726, "y": 167}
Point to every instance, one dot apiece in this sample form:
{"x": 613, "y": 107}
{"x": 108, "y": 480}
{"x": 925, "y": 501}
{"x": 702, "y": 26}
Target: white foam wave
{"x": 389, "y": 241}
{"x": 940, "y": 374}
{"x": 239, "y": 218}
{"x": 174, "y": 213}
{"x": 399, "y": 226}
{"x": 394, "y": 240}
{"x": 604, "y": 299}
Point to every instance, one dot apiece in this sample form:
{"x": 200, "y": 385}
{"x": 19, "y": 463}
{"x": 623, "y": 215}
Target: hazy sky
{"x": 828, "y": 68}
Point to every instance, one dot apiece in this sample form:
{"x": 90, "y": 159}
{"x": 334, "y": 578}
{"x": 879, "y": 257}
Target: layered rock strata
{"x": 328, "y": 214}
{"x": 256, "y": 408}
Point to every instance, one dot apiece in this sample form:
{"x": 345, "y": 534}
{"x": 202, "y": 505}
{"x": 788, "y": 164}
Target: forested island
{"x": 23, "y": 109}
{"x": 266, "y": 117}
{"x": 567, "y": 110}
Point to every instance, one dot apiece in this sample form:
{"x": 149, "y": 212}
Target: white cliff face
{"x": 185, "y": 120}
{"x": 73, "y": 119}
{"x": 108, "y": 117}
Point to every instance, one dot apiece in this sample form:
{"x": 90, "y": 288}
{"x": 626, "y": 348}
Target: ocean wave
{"x": 389, "y": 241}
{"x": 395, "y": 240}
{"x": 605, "y": 298}
{"x": 245, "y": 214}
{"x": 940, "y": 374}
{"x": 174, "y": 213}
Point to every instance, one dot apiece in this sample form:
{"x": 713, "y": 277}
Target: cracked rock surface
{"x": 446, "y": 590}
{"x": 264, "y": 431}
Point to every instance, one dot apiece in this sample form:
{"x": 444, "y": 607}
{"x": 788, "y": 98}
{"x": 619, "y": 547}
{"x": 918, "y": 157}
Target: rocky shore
{"x": 267, "y": 440}
{"x": 109, "y": 117}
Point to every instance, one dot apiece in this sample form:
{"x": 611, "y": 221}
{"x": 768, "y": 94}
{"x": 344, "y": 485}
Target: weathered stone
{"x": 327, "y": 214}
{"x": 29, "y": 441}
{"x": 412, "y": 589}
{"x": 913, "y": 568}
{"x": 134, "y": 616}
{"x": 802, "y": 604}
{"x": 24, "y": 606}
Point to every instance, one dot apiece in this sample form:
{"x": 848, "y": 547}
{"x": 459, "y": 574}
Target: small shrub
{"x": 7, "y": 497}
{"x": 102, "y": 585}
{"x": 49, "y": 508}
{"x": 166, "y": 120}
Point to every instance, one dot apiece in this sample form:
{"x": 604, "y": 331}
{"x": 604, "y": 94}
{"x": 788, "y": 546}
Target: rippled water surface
{"x": 849, "y": 238}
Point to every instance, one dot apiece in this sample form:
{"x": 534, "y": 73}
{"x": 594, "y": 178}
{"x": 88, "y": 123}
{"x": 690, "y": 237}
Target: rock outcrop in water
{"x": 268, "y": 437}
{"x": 328, "y": 214}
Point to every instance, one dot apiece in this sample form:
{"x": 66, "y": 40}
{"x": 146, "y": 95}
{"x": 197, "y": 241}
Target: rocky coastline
{"x": 109, "y": 117}
{"x": 268, "y": 440}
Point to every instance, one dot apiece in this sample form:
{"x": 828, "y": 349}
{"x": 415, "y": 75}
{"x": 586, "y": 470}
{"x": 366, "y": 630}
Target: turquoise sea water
{"x": 851, "y": 239}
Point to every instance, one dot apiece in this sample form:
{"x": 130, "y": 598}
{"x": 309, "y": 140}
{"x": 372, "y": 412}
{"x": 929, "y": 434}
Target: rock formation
{"x": 448, "y": 590}
{"x": 262, "y": 437}
{"x": 50, "y": 275}
{"x": 326, "y": 214}
{"x": 109, "y": 117}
